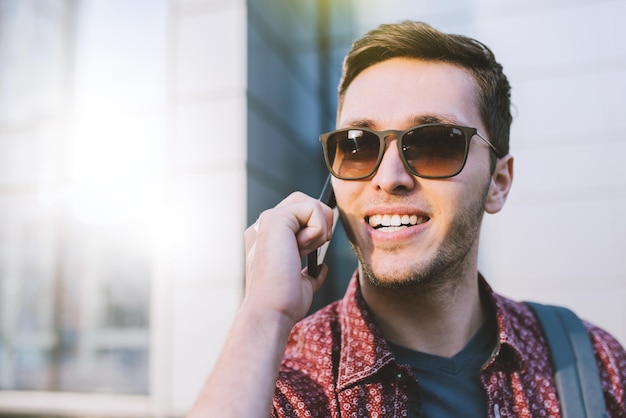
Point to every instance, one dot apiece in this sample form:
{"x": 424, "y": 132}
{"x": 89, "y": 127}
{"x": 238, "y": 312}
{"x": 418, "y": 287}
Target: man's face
{"x": 446, "y": 213}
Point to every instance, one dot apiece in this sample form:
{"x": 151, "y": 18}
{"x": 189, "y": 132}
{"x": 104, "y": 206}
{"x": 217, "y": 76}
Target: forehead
{"x": 396, "y": 93}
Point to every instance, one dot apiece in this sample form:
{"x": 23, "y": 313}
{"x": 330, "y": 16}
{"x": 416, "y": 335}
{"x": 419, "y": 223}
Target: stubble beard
{"x": 444, "y": 269}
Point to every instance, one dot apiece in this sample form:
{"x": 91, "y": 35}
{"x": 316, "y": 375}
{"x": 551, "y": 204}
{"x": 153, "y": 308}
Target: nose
{"x": 392, "y": 175}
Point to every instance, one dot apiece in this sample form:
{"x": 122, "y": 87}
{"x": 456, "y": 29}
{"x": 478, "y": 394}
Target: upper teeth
{"x": 394, "y": 220}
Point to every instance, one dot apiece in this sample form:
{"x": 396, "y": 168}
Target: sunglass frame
{"x": 468, "y": 134}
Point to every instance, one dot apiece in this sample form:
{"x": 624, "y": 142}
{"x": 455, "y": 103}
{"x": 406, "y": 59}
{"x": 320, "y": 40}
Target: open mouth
{"x": 394, "y": 222}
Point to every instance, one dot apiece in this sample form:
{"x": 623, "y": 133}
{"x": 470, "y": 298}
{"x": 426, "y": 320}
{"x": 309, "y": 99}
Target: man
{"x": 421, "y": 152}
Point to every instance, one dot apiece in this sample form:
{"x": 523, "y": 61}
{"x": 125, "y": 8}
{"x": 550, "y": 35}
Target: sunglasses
{"x": 433, "y": 151}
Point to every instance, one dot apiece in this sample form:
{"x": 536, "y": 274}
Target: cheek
{"x": 352, "y": 228}
{"x": 456, "y": 199}
{"x": 470, "y": 201}
{"x": 347, "y": 200}
{"x": 348, "y": 213}
{"x": 346, "y": 194}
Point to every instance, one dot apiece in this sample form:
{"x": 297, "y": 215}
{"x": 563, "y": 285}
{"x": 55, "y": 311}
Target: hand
{"x": 275, "y": 244}
{"x": 278, "y": 294}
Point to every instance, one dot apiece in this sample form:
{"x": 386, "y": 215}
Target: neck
{"x": 437, "y": 318}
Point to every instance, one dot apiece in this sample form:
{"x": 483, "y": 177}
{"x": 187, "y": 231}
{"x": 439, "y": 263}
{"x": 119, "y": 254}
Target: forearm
{"x": 278, "y": 294}
{"x": 243, "y": 380}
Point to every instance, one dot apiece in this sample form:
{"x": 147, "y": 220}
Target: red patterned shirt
{"x": 338, "y": 364}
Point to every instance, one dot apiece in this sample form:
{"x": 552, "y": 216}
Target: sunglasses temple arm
{"x": 493, "y": 147}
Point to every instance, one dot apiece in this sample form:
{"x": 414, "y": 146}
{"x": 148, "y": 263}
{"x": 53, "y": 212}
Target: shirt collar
{"x": 364, "y": 350}
{"x": 510, "y": 317}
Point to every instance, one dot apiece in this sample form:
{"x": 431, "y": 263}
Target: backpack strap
{"x": 576, "y": 372}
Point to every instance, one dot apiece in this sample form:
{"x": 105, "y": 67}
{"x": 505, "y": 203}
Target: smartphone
{"x": 316, "y": 258}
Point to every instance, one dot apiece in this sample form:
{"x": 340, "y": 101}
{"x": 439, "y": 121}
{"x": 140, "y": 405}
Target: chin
{"x": 392, "y": 277}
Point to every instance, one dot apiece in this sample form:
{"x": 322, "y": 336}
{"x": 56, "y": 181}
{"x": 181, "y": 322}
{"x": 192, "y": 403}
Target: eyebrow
{"x": 435, "y": 118}
{"x": 415, "y": 121}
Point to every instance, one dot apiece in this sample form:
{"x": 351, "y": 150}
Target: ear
{"x": 501, "y": 181}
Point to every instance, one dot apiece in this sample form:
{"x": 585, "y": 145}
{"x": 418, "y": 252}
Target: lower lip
{"x": 399, "y": 235}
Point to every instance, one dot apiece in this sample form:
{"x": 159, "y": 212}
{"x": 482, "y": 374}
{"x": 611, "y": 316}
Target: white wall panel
{"x": 208, "y": 197}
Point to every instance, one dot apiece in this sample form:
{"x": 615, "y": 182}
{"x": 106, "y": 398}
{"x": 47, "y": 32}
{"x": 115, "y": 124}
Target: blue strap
{"x": 576, "y": 372}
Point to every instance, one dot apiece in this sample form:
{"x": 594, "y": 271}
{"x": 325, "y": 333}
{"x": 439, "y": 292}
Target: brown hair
{"x": 419, "y": 40}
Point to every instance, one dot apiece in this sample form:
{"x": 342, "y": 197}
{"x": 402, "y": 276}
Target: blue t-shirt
{"x": 449, "y": 387}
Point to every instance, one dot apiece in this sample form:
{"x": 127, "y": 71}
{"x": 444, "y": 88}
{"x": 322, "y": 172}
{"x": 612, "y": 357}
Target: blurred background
{"x": 139, "y": 138}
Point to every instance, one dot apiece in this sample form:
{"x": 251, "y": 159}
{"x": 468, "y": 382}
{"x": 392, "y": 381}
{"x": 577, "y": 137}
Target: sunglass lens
{"x": 435, "y": 151}
{"x": 353, "y": 153}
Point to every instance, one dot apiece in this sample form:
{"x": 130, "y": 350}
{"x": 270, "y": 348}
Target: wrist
{"x": 266, "y": 321}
